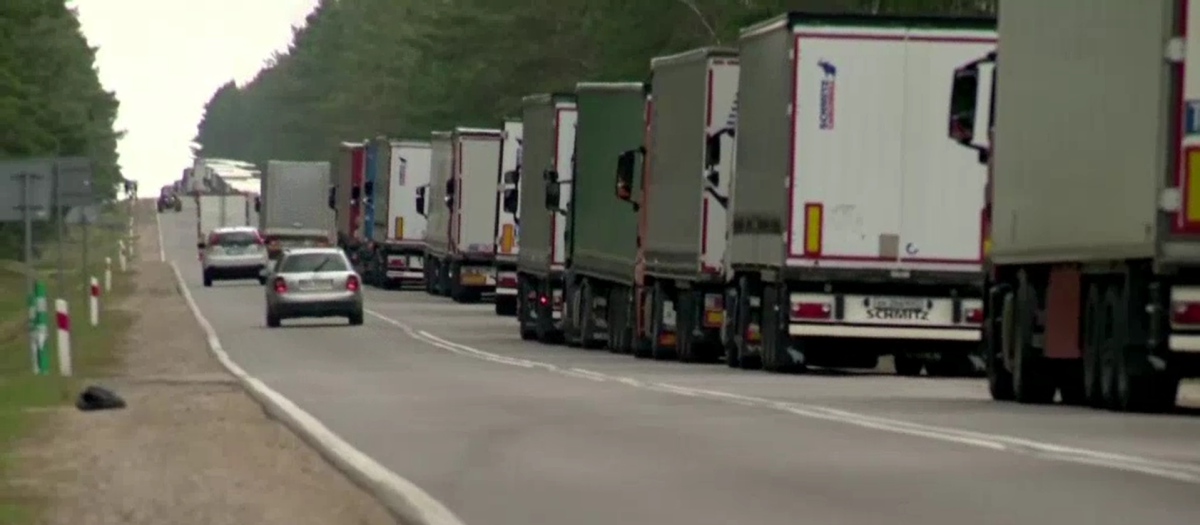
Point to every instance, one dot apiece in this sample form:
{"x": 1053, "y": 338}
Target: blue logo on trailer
{"x": 828, "y": 89}
{"x": 1191, "y": 117}
{"x": 369, "y": 190}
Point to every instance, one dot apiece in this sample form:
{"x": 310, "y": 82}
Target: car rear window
{"x": 313, "y": 262}
{"x": 235, "y": 239}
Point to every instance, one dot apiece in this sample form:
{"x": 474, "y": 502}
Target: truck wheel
{"x": 208, "y": 278}
{"x": 1093, "y": 335}
{"x": 587, "y": 316}
{"x": 546, "y": 333}
{"x": 775, "y": 339}
{"x": 572, "y": 309}
{"x": 427, "y": 273}
{"x": 355, "y": 318}
{"x": 685, "y": 316}
{"x": 272, "y": 319}
{"x": 506, "y": 305}
{"x": 746, "y": 359}
{"x": 1032, "y": 374}
{"x": 658, "y": 304}
{"x": 524, "y": 308}
{"x": 997, "y": 335}
{"x": 732, "y": 327}
{"x": 617, "y": 309}
{"x": 907, "y": 365}
{"x": 1135, "y": 386}
{"x": 643, "y": 316}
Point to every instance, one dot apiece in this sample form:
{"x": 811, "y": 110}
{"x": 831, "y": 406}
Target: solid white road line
{"x": 1185, "y": 472}
{"x": 406, "y": 501}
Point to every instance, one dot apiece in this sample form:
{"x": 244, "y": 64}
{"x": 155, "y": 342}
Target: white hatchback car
{"x": 233, "y": 253}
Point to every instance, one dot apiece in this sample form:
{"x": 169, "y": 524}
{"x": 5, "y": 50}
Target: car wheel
{"x": 208, "y": 279}
{"x": 262, "y": 280}
{"x": 356, "y": 318}
{"x": 272, "y": 319}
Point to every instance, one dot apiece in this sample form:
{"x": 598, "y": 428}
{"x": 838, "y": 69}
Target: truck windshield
{"x": 313, "y": 262}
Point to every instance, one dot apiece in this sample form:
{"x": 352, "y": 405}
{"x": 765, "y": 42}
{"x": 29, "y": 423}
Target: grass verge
{"x": 24, "y": 397}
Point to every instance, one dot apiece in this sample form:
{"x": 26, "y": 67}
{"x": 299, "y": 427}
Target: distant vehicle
{"x": 313, "y": 282}
{"x": 169, "y": 200}
{"x": 236, "y": 252}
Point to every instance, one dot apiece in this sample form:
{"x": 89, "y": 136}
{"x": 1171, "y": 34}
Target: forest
{"x": 402, "y": 68}
{"x": 51, "y": 99}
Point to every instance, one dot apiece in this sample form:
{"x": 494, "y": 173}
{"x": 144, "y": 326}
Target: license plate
{"x": 235, "y": 250}
{"x": 473, "y": 278}
{"x": 899, "y": 303}
{"x": 316, "y": 284}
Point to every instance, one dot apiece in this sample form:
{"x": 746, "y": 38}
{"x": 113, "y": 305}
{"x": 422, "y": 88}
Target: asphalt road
{"x": 506, "y": 432}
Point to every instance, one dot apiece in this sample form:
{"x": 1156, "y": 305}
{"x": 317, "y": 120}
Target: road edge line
{"x": 404, "y": 500}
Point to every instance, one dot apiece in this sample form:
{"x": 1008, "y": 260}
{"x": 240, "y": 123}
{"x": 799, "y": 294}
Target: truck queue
{"x": 803, "y": 199}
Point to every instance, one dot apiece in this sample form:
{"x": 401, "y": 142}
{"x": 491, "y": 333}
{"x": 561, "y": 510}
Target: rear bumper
{"x": 251, "y": 271}
{"x": 325, "y": 305}
{"x": 413, "y": 275}
{"x": 882, "y": 332}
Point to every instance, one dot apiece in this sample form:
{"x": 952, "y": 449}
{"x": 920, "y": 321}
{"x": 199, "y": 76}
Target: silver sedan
{"x": 313, "y": 282}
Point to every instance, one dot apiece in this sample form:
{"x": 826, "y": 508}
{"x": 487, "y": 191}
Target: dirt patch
{"x": 191, "y": 448}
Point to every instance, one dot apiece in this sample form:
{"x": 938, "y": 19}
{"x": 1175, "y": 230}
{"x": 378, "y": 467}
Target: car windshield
{"x": 239, "y": 238}
{"x": 313, "y": 262}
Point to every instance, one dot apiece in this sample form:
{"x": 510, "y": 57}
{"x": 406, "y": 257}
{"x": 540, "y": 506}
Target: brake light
{"x": 974, "y": 315}
{"x": 811, "y": 311}
{"x": 280, "y": 285}
{"x": 396, "y": 262}
{"x": 258, "y": 238}
{"x": 212, "y": 239}
{"x": 543, "y": 299}
{"x": 352, "y": 283}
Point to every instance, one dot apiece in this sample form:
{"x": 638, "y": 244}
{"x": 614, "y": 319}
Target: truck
{"x": 548, "y": 121}
{"x": 508, "y": 207}
{"x": 680, "y": 280}
{"x": 395, "y": 253}
{"x": 874, "y": 246}
{"x": 292, "y": 208}
{"x": 600, "y": 254}
{"x": 1093, "y": 292}
{"x": 463, "y": 247}
{"x": 345, "y": 195}
{"x": 431, "y": 203}
{"x": 221, "y": 211}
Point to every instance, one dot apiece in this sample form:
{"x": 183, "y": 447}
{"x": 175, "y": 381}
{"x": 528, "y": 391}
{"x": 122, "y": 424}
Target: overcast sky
{"x": 164, "y": 58}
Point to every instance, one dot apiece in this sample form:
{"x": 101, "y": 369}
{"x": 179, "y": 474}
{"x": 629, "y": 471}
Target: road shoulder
{"x": 191, "y": 448}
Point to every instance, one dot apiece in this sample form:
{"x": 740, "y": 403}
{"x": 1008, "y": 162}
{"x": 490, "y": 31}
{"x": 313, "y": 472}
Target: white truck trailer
{"x": 856, "y": 227}
{"x": 464, "y": 251}
{"x": 1094, "y": 199}
{"x": 508, "y": 209}
{"x": 293, "y": 205}
{"x": 397, "y": 247}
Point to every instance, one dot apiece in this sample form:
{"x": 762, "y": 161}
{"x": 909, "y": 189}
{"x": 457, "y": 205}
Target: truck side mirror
{"x": 553, "y": 196}
{"x": 624, "y": 175}
{"x": 421, "y": 200}
{"x": 511, "y": 199}
{"x": 333, "y": 198}
{"x": 712, "y": 150}
{"x": 963, "y": 97}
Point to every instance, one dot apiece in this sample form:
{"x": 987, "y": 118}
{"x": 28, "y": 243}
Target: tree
{"x": 402, "y": 68}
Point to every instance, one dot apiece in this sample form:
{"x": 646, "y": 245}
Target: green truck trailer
{"x": 601, "y": 240}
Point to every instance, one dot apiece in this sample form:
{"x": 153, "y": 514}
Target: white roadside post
{"x": 121, "y": 254}
{"x": 62, "y": 318}
{"x": 108, "y": 274}
{"x": 94, "y": 301}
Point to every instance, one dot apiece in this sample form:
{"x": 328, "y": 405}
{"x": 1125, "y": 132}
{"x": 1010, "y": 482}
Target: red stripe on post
{"x": 95, "y": 290}
{"x": 64, "y": 321}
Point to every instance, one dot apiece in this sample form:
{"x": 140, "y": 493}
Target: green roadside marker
{"x": 42, "y": 356}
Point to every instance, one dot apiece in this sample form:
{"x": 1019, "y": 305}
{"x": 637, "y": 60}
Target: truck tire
{"x": 907, "y": 365}
{"x": 572, "y": 310}
{"x": 643, "y": 316}
{"x": 685, "y": 317}
{"x": 1135, "y": 386}
{"x": 997, "y": 332}
{"x": 208, "y": 279}
{"x": 729, "y": 326}
{"x": 658, "y": 305}
{"x": 746, "y": 360}
{"x": 428, "y": 279}
{"x": 524, "y": 319}
{"x": 618, "y": 312}
{"x": 775, "y": 339}
{"x": 506, "y": 305}
{"x": 1033, "y": 377}
{"x": 1093, "y": 336}
{"x": 587, "y": 316}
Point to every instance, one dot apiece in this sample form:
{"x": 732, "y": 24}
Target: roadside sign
{"x": 74, "y": 181}
{"x": 12, "y": 188}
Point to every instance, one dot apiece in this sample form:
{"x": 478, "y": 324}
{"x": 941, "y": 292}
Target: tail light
{"x": 1185, "y": 313}
{"x": 352, "y": 283}
{"x": 280, "y": 285}
{"x": 814, "y": 311}
{"x": 974, "y": 315}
